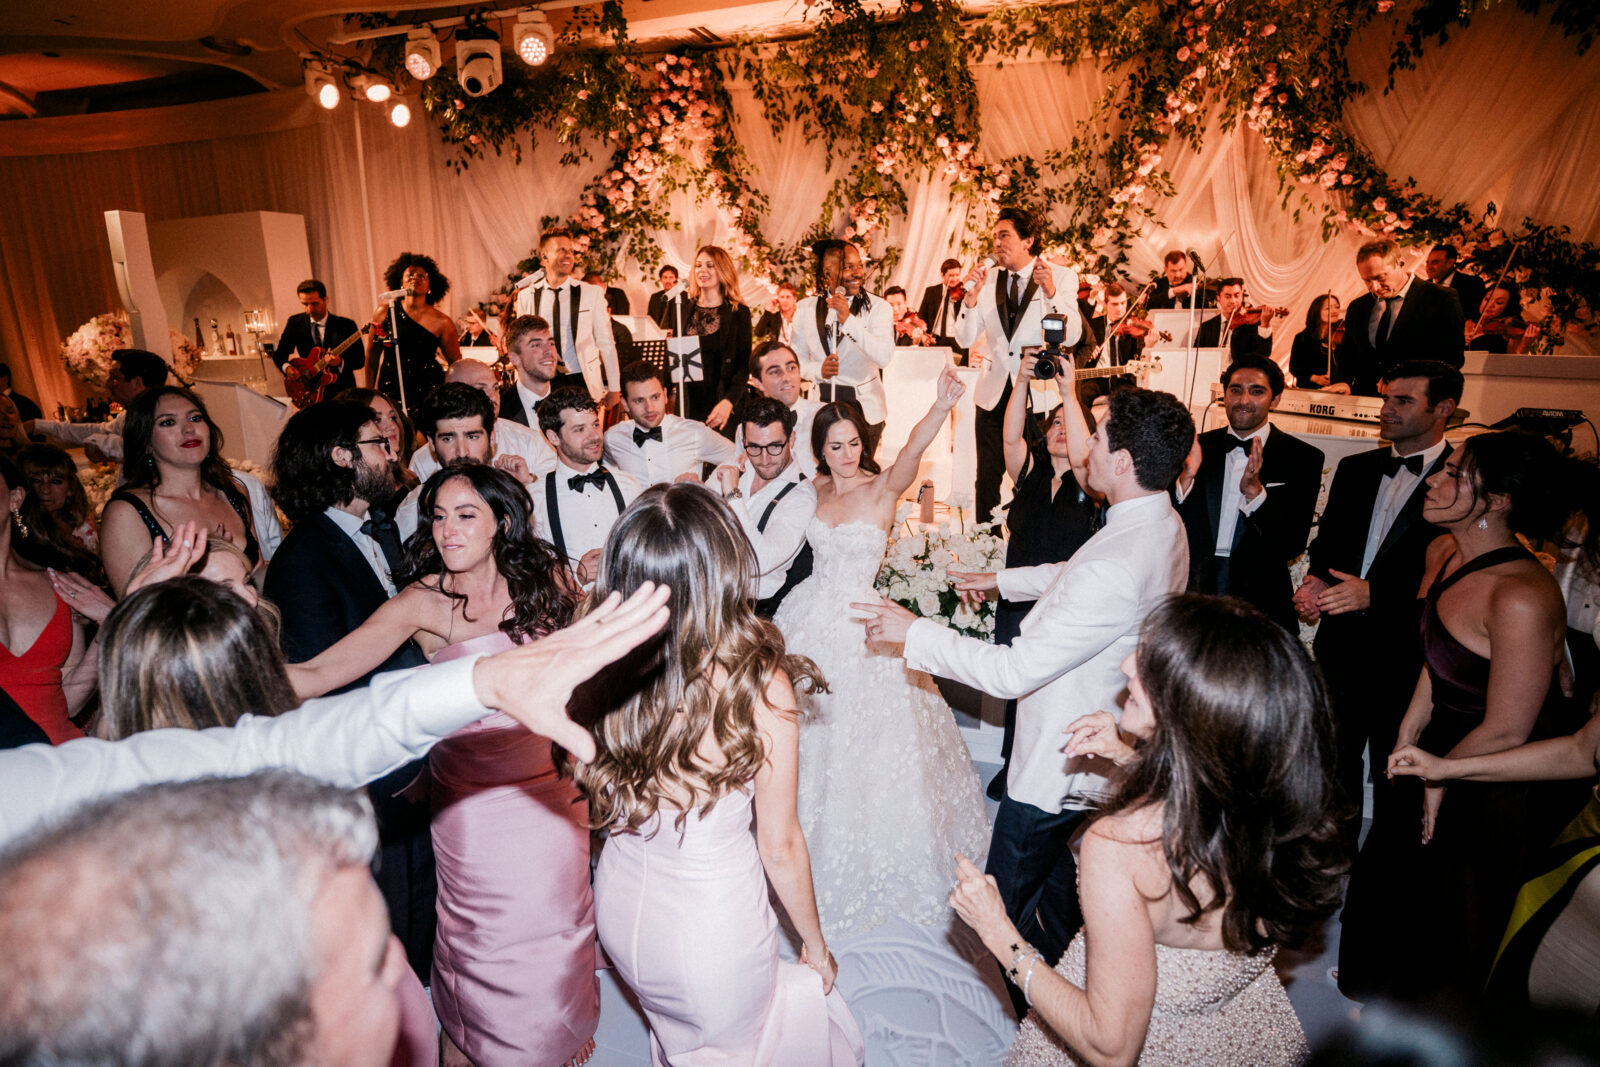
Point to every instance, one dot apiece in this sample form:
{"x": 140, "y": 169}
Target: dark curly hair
{"x": 360, "y": 394}
{"x": 139, "y": 468}
{"x": 535, "y": 571}
{"x": 438, "y": 284}
{"x": 305, "y": 479}
{"x": 1156, "y": 429}
{"x": 1241, "y": 763}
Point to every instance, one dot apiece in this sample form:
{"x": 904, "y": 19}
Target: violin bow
{"x": 1482, "y": 314}
{"x": 1111, "y": 327}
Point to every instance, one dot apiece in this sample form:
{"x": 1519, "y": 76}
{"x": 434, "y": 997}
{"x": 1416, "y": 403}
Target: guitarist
{"x": 315, "y": 328}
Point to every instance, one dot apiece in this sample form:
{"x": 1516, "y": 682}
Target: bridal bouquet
{"x": 915, "y": 574}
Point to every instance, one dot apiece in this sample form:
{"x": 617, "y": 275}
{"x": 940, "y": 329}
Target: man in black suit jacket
{"x": 1364, "y": 575}
{"x": 659, "y": 306}
{"x": 530, "y": 349}
{"x": 330, "y": 574}
{"x": 1175, "y": 287}
{"x": 1248, "y": 506}
{"x": 315, "y": 328}
{"x": 1243, "y": 340}
{"x": 937, "y": 302}
{"x": 1470, "y": 289}
{"x": 1398, "y": 318}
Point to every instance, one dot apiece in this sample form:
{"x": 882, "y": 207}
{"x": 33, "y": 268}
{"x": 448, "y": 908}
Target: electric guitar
{"x": 305, "y": 377}
{"x": 1137, "y": 366}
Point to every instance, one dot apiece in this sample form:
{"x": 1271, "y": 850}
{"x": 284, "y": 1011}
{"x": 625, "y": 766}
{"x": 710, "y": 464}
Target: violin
{"x": 1251, "y": 316}
{"x": 1136, "y": 327}
{"x": 1336, "y": 333}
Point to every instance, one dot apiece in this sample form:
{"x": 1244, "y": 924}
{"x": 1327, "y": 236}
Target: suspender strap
{"x": 555, "y": 513}
{"x": 772, "y": 505}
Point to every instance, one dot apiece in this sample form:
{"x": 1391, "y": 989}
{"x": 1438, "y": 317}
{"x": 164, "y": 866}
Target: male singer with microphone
{"x": 1007, "y": 315}
{"x": 845, "y": 336}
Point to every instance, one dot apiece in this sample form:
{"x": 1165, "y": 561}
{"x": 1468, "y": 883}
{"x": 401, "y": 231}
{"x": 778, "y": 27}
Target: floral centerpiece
{"x": 87, "y": 353}
{"x": 915, "y": 574}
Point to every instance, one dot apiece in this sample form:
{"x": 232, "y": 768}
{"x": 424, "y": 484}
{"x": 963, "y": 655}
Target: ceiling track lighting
{"x": 423, "y": 58}
{"x": 533, "y": 39}
{"x": 400, "y": 112}
{"x": 321, "y": 85}
{"x": 478, "y": 62}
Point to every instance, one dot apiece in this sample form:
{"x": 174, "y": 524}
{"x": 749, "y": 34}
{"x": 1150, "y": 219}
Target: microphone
{"x": 833, "y": 313}
{"x": 394, "y": 294}
{"x": 529, "y": 279}
{"x": 969, "y": 284}
{"x": 677, "y": 290}
{"x": 1194, "y": 258}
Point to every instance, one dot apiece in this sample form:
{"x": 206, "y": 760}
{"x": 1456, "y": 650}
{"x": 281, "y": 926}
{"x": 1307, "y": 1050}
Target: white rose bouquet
{"x": 915, "y": 574}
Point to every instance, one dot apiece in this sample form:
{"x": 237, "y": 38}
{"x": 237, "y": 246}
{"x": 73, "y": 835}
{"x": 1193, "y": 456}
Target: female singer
{"x": 714, "y": 312}
{"x": 697, "y": 732}
{"x": 172, "y": 472}
{"x": 424, "y": 330}
{"x": 1218, "y": 845}
{"x": 513, "y": 966}
{"x": 1311, "y": 356}
{"x": 1439, "y": 872}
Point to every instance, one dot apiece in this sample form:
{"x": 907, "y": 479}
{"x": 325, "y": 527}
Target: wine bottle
{"x": 216, "y": 341}
{"x": 199, "y": 338}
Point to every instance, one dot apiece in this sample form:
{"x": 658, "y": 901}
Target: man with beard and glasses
{"x": 335, "y": 569}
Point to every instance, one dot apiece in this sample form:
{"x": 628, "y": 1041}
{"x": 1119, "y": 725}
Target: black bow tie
{"x": 1242, "y": 444}
{"x": 596, "y": 478}
{"x": 1392, "y": 465}
{"x": 377, "y": 524}
{"x": 641, "y": 436}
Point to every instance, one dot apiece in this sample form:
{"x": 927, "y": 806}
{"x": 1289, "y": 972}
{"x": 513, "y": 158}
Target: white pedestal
{"x": 249, "y": 421}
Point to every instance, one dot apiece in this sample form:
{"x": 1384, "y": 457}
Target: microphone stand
{"x": 399, "y": 366}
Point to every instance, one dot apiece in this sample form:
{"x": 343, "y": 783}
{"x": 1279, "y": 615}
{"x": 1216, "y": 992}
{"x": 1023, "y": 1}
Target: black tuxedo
{"x": 1470, "y": 290}
{"x": 1266, "y": 541}
{"x": 1371, "y": 658}
{"x": 929, "y": 314}
{"x": 1161, "y": 296}
{"x": 1244, "y": 342}
{"x": 325, "y": 589}
{"x": 296, "y": 341}
{"x": 1429, "y": 326}
{"x": 658, "y": 308}
{"x": 511, "y": 408}
{"x": 476, "y": 339}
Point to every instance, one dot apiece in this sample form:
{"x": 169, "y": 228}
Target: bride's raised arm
{"x": 909, "y": 461}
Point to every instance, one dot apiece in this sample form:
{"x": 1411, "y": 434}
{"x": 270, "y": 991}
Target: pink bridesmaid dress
{"x": 687, "y": 924}
{"x": 514, "y": 959}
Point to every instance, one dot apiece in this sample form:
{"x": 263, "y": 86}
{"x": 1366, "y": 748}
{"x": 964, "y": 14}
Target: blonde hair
{"x": 271, "y": 617}
{"x": 704, "y": 676}
{"x": 727, "y": 276}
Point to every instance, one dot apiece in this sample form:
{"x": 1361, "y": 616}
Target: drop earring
{"x": 1483, "y": 522}
{"x": 16, "y": 520}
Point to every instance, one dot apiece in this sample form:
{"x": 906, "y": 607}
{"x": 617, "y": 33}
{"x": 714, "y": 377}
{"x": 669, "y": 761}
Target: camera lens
{"x": 1045, "y": 367}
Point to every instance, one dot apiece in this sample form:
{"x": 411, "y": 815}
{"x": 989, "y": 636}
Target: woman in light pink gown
{"x": 513, "y": 971}
{"x": 696, "y": 733}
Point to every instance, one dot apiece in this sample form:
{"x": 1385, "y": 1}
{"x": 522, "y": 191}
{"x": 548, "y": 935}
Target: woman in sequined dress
{"x": 1219, "y": 844}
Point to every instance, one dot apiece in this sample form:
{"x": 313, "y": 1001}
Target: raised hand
{"x": 172, "y": 558}
{"x": 885, "y": 620}
{"x": 1250, "y": 480}
{"x": 1097, "y": 735}
{"x": 82, "y": 596}
{"x": 977, "y": 275}
{"x": 951, "y": 387}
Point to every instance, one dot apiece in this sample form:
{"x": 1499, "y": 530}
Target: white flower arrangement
{"x": 915, "y": 574}
{"x": 87, "y": 353}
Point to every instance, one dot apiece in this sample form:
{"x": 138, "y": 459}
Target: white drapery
{"x": 1474, "y": 122}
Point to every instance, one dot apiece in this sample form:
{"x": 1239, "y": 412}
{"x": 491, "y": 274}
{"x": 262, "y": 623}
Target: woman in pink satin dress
{"x": 514, "y": 962}
{"x": 695, "y": 732}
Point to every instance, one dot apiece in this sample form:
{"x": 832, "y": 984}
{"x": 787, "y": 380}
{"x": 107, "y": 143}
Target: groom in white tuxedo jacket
{"x": 1067, "y": 661}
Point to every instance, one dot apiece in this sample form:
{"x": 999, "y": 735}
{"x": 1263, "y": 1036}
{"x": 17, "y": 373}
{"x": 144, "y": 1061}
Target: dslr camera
{"x": 1055, "y": 332}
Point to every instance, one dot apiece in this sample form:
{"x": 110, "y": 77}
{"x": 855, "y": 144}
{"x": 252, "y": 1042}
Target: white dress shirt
{"x": 865, "y": 346}
{"x": 269, "y": 533}
{"x": 1233, "y": 502}
{"x": 685, "y": 444}
{"x": 785, "y": 533}
{"x": 1067, "y": 661}
{"x": 1393, "y": 492}
{"x": 106, "y": 436}
{"x": 347, "y": 740}
{"x": 509, "y": 439}
{"x": 586, "y": 515}
{"x": 366, "y": 544}
{"x": 805, "y": 413}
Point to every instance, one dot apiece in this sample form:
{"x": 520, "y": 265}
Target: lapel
{"x": 1008, "y": 321}
{"x": 511, "y": 406}
{"x": 575, "y": 302}
{"x": 821, "y": 310}
{"x": 363, "y": 587}
{"x": 1214, "y": 468}
{"x": 1411, "y": 511}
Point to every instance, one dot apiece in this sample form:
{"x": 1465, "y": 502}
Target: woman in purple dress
{"x": 513, "y": 971}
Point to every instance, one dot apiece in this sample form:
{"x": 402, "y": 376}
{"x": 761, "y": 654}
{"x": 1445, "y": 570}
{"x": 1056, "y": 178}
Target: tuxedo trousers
{"x": 1032, "y": 864}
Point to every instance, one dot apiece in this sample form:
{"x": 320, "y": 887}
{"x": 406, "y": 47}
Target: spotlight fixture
{"x": 321, "y": 86}
{"x": 533, "y": 39}
{"x": 400, "y": 112}
{"x": 372, "y": 87}
{"x": 422, "y": 54}
{"x": 478, "y": 66}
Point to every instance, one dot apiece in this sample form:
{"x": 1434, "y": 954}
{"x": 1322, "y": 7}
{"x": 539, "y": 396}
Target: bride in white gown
{"x": 888, "y": 794}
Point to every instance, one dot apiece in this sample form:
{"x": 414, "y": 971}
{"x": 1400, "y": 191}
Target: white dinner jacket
{"x": 865, "y": 348}
{"x": 1067, "y": 661}
{"x": 591, "y": 334}
{"x": 1004, "y": 355}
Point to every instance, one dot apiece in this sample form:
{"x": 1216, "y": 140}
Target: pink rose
{"x": 1268, "y": 30}
{"x": 1184, "y": 54}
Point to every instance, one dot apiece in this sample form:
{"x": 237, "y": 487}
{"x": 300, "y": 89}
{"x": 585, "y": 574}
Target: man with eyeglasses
{"x": 772, "y": 498}
{"x": 336, "y": 568}
{"x": 775, "y": 369}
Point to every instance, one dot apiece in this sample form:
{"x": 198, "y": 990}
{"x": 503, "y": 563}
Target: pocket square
{"x": 1273, "y": 485}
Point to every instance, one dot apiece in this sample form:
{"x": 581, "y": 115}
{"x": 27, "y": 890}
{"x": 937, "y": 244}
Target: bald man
{"x": 509, "y": 438}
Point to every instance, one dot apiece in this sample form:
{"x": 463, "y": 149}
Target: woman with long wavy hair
{"x": 715, "y": 313}
{"x": 1219, "y": 843}
{"x": 695, "y": 732}
{"x": 513, "y": 967}
{"x": 172, "y": 472}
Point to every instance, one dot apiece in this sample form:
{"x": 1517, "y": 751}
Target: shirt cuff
{"x": 1250, "y": 507}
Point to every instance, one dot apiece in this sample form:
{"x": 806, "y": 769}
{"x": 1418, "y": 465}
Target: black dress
{"x": 725, "y": 338}
{"x": 1307, "y": 356}
{"x": 232, "y": 493}
{"x": 419, "y": 361}
{"x": 1423, "y": 922}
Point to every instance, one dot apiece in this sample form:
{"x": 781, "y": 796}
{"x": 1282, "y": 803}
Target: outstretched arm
{"x": 363, "y": 649}
{"x": 906, "y": 464}
{"x": 1013, "y": 435}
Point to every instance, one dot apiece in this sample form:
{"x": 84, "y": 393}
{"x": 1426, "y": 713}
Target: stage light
{"x": 478, "y": 66}
{"x": 372, "y": 87}
{"x": 422, "y": 54}
{"x": 400, "y": 113}
{"x": 533, "y": 39}
{"x": 321, "y": 86}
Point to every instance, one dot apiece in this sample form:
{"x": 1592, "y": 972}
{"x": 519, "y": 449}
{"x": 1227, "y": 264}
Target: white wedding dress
{"x": 888, "y": 793}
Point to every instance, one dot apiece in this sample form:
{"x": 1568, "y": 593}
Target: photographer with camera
{"x": 1006, "y": 313}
